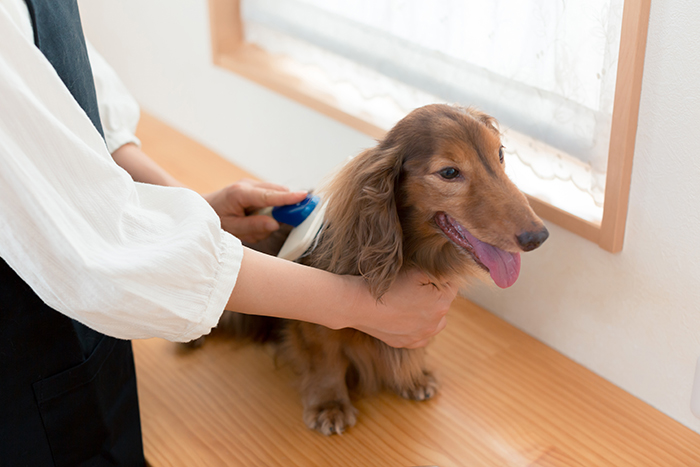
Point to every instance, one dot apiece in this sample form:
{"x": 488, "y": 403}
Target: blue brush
{"x": 307, "y": 218}
{"x": 295, "y": 214}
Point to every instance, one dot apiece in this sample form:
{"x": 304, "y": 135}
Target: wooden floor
{"x": 505, "y": 400}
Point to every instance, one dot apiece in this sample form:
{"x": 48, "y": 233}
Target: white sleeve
{"x": 130, "y": 260}
{"x": 119, "y": 111}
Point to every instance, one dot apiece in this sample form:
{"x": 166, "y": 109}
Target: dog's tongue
{"x": 503, "y": 266}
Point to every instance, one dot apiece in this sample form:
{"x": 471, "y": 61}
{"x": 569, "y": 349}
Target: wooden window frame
{"x": 231, "y": 52}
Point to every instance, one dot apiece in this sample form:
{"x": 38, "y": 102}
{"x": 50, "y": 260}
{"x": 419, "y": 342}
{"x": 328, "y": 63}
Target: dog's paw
{"x": 330, "y": 417}
{"x": 422, "y": 389}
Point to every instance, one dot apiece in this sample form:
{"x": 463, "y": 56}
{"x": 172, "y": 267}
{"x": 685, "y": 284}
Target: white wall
{"x": 161, "y": 50}
{"x": 633, "y": 318}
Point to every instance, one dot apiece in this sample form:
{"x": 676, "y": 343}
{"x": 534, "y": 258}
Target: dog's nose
{"x": 530, "y": 240}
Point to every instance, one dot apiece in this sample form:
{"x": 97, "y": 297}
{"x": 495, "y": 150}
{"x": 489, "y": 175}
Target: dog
{"x": 433, "y": 195}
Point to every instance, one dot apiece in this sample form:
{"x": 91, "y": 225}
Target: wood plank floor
{"x": 506, "y": 399}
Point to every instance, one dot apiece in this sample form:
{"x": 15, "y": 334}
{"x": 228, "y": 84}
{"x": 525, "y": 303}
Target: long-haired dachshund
{"x": 431, "y": 195}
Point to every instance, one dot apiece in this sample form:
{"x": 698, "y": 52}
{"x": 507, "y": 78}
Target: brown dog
{"x": 431, "y": 195}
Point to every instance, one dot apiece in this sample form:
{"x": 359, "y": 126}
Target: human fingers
{"x": 445, "y": 291}
{"x": 425, "y": 341}
{"x": 441, "y": 325}
{"x": 419, "y": 344}
{"x": 250, "y": 228}
{"x": 258, "y": 197}
{"x": 449, "y": 290}
{"x": 264, "y": 185}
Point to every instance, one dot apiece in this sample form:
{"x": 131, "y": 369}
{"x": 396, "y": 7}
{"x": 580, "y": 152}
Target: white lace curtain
{"x": 544, "y": 68}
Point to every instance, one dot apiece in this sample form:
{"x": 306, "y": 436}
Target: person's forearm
{"x": 273, "y": 287}
{"x": 142, "y": 168}
{"x": 408, "y": 315}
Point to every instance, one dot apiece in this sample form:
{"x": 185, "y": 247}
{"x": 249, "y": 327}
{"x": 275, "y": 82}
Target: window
{"x": 564, "y": 99}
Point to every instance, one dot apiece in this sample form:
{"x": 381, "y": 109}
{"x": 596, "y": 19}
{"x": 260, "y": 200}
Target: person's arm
{"x": 142, "y": 168}
{"x": 412, "y": 311}
{"x": 234, "y": 204}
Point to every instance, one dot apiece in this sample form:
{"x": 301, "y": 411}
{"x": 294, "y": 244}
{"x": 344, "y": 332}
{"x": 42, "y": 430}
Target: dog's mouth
{"x": 503, "y": 266}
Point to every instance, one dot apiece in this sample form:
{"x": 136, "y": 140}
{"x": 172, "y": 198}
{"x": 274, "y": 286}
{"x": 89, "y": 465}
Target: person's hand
{"x": 237, "y": 203}
{"x": 411, "y": 312}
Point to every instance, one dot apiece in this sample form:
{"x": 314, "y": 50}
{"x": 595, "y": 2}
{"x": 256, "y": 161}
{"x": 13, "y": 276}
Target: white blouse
{"x": 128, "y": 259}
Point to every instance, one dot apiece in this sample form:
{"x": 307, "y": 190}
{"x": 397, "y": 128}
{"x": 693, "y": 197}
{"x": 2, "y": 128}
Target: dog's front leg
{"x": 409, "y": 377}
{"x": 322, "y": 366}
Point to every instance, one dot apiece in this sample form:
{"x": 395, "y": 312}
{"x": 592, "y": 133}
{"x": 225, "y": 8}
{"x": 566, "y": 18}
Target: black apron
{"x": 67, "y": 392}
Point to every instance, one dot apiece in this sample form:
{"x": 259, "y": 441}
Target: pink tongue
{"x": 503, "y": 266}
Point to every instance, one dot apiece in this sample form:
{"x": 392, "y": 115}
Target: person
{"x": 96, "y": 253}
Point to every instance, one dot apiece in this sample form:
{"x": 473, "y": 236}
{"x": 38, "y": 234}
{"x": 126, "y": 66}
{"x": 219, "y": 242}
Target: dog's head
{"x": 458, "y": 207}
{"x": 433, "y": 194}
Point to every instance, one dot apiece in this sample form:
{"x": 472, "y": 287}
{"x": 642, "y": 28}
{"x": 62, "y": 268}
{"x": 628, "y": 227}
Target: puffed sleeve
{"x": 119, "y": 111}
{"x": 130, "y": 260}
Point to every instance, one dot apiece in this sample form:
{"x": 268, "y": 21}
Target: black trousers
{"x": 67, "y": 393}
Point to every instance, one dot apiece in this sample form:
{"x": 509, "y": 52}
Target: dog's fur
{"x": 380, "y": 219}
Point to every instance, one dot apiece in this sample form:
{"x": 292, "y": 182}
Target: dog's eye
{"x": 449, "y": 173}
{"x": 500, "y": 154}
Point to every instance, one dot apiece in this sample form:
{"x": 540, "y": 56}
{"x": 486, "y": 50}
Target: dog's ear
{"x": 363, "y": 224}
